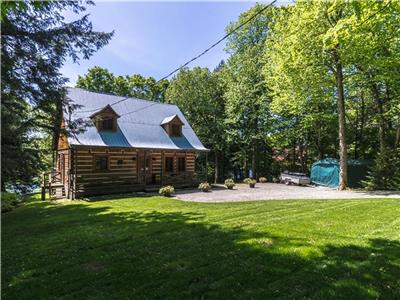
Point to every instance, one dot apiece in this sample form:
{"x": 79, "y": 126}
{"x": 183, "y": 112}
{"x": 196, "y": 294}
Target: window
{"x": 107, "y": 124}
{"x": 181, "y": 164}
{"x": 101, "y": 163}
{"x": 175, "y": 130}
{"x": 169, "y": 164}
{"x": 120, "y": 162}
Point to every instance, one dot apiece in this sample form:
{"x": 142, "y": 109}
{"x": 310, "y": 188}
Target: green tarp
{"x": 326, "y": 172}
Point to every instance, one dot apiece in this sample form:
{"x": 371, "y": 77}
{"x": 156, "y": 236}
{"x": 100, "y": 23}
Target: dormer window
{"x": 173, "y": 126}
{"x": 106, "y": 124}
{"x": 105, "y": 119}
{"x": 176, "y": 129}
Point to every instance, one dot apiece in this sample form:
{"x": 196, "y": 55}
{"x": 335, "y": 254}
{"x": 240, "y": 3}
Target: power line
{"x": 215, "y": 44}
{"x": 219, "y": 41}
{"x": 198, "y": 56}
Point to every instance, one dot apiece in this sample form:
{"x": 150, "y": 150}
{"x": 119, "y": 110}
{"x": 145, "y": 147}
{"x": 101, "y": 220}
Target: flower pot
{"x": 230, "y": 187}
{"x": 252, "y": 185}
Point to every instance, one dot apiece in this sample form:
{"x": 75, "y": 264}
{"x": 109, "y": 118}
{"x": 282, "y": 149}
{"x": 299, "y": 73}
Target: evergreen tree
{"x": 35, "y": 42}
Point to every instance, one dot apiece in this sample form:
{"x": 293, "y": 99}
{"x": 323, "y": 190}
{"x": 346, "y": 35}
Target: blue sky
{"x": 154, "y": 38}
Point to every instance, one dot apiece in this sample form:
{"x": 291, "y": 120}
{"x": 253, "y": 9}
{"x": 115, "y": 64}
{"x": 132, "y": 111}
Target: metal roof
{"x": 169, "y": 119}
{"x": 139, "y": 125}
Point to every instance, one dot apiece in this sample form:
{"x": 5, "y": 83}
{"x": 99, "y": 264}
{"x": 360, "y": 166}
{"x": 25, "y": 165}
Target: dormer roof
{"x": 106, "y": 109}
{"x": 170, "y": 119}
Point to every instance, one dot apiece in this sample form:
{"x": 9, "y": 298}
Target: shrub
{"x": 229, "y": 183}
{"x": 205, "y": 186}
{"x": 247, "y": 180}
{"x": 9, "y": 201}
{"x": 166, "y": 191}
{"x": 385, "y": 173}
{"x": 262, "y": 179}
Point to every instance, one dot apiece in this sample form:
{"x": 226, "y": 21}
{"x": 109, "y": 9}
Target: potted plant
{"x": 166, "y": 191}
{"x": 229, "y": 183}
{"x": 251, "y": 182}
{"x": 205, "y": 186}
{"x": 262, "y": 180}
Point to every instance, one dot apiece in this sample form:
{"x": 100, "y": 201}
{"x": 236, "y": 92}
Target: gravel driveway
{"x": 275, "y": 191}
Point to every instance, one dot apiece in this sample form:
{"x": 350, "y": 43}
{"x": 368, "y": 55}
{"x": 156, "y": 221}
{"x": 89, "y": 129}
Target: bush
{"x": 166, "y": 191}
{"x": 262, "y": 179}
{"x": 247, "y": 180}
{"x": 205, "y": 186}
{"x": 229, "y": 183}
{"x": 385, "y": 173}
{"x": 9, "y": 201}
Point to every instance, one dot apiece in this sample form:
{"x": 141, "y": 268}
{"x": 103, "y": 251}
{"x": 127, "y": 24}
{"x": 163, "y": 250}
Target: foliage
{"x": 9, "y": 201}
{"x": 311, "y": 44}
{"x": 247, "y": 180}
{"x": 35, "y": 42}
{"x": 250, "y": 181}
{"x": 248, "y": 118}
{"x": 100, "y": 80}
{"x": 229, "y": 183}
{"x": 166, "y": 191}
{"x": 198, "y": 93}
{"x": 205, "y": 186}
{"x": 385, "y": 173}
{"x": 262, "y": 180}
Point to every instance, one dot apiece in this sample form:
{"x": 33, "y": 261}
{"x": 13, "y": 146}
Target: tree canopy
{"x": 35, "y": 42}
{"x": 98, "y": 79}
{"x": 302, "y": 82}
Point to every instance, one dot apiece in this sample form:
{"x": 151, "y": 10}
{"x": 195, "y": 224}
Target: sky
{"x": 154, "y": 38}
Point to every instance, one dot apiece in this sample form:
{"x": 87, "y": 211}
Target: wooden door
{"x": 144, "y": 168}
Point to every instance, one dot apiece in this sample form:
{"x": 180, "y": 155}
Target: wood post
{"x": 162, "y": 167}
{"x": 144, "y": 168}
{"x": 43, "y": 195}
{"x": 206, "y": 166}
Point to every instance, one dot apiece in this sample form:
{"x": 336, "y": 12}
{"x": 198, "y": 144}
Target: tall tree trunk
{"x": 397, "y": 141}
{"x": 216, "y": 161}
{"x": 381, "y": 118}
{"x": 254, "y": 159}
{"x": 342, "y": 123}
{"x": 362, "y": 126}
{"x": 294, "y": 157}
{"x": 245, "y": 167}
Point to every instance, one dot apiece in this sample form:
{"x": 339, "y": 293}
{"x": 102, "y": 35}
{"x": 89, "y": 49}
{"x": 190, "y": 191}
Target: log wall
{"x": 128, "y": 170}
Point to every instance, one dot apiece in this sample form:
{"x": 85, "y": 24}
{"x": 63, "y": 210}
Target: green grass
{"x": 160, "y": 248}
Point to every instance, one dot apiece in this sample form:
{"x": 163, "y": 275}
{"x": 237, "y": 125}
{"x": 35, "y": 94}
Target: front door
{"x": 145, "y": 172}
{"x": 61, "y": 167}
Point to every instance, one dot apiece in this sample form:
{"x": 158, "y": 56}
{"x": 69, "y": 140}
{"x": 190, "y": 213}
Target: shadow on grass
{"x": 78, "y": 251}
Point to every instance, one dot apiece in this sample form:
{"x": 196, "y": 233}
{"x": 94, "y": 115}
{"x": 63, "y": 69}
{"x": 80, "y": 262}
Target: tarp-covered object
{"x": 326, "y": 172}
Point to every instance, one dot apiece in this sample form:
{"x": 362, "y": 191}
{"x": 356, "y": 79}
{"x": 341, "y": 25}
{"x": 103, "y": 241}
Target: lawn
{"x": 160, "y": 248}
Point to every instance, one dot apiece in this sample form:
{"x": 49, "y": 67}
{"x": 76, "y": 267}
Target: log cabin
{"x": 128, "y": 145}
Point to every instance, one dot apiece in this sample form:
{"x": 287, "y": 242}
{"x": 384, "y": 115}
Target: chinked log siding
{"x": 127, "y": 170}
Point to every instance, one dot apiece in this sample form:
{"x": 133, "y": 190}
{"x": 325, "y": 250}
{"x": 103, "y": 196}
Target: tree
{"x": 35, "y": 43}
{"x": 198, "y": 92}
{"x": 306, "y": 62}
{"x": 247, "y": 98}
{"x": 101, "y": 80}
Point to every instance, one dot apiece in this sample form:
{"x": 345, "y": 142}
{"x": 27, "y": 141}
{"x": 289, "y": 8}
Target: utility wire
{"x": 219, "y": 41}
{"x": 198, "y": 56}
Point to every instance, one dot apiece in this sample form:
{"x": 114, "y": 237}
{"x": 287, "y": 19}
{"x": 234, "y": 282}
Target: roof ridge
{"x": 128, "y": 97}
